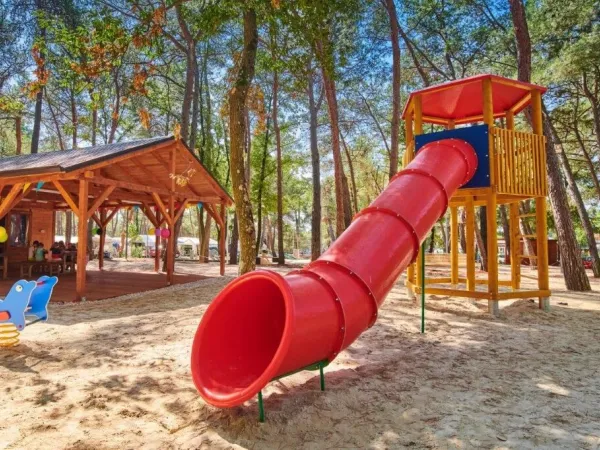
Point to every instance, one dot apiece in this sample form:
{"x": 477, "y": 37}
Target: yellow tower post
{"x": 492, "y": 238}
{"x": 470, "y": 238}
{"x": 418, "y": 127}
{"x": 540, "y": 207}
{"x": 454, "y": 245}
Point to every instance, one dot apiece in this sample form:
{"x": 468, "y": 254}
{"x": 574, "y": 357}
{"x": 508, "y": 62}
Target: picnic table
{"x": 51, "y": 266}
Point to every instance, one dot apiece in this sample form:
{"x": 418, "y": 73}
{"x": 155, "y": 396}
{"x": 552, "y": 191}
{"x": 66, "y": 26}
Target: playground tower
{"x": 512, "y": 168}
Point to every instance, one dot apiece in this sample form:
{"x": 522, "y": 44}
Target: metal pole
{"x": 423, "y": 288}
{"x": 322, "y": 376}
{"x": 261, "y": 409}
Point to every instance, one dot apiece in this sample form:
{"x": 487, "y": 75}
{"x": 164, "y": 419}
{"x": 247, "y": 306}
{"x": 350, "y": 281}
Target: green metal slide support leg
{"x": 261, "y": 408}
{"x": 322, "y": 376}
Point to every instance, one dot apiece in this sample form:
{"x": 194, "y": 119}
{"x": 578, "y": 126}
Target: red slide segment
{"x": 263, "y": 325}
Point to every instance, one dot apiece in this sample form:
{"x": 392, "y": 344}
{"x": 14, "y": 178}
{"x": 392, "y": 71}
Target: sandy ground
{"x": 115, "y": 374}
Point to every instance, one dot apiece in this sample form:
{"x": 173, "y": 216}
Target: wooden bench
{"x": 52, "y": 267}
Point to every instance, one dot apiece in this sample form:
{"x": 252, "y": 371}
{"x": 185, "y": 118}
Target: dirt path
{"x": 115, "y": 374}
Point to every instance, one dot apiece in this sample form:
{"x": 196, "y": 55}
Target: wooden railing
{"x": 520, "y": 163}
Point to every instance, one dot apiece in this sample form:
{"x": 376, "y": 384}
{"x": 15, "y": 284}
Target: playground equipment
{"x": 25, "y": 299}
{"x": 513, "y": 169}
{"x": 264, "y": 326}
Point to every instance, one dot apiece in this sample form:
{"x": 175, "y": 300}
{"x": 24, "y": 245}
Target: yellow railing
{"x": 520, "y": 163}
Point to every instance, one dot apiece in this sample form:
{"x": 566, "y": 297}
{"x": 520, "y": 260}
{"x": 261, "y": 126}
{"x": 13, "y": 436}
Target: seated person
{"x": 40, "y": 252}
{"x": 56, "y": 251}
{"x": 31, "y": 251}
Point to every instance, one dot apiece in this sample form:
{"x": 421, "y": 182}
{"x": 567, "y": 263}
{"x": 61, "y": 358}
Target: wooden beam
{"x": 96, "y": 219}
{"x": 112, "y": 214}
{"x": 8, "y": 202}
{"x": 99, "y": 200}
{"x": 128, "y": 185}
{"x": 67, "y": 196}
{"x": 128, "y": 175}
{"x": 163, "y": 209}
{"x": 150, "y": 214}
{"x": 213, "y": 213}
{"x": 171, "y": 219}
{"x": 180, "y": 211}
{"x": 82, "y": 240}
{"x": 20, "y": 196}
{"x": 144, "y": 169}
{"x": 157, "y": 245}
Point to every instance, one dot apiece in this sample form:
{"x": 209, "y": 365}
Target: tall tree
{"x": 390, "y": 8}
{"x": 237, "y": 129}
{"x": 572, "y": 266}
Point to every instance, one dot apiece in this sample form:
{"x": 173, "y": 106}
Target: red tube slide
{"x": 263, "y": 325}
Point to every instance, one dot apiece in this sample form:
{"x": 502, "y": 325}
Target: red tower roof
{"x": 462, "y": 100}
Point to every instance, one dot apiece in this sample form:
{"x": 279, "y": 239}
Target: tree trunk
{"x": 114, "y": 121}
{"x": 343, "y": 218}
{"x": 396, "y": 84}
{"x": 68, "y": 226}
{"x": 61, "y": 142}
{"x": 506, "y": 232}
{"x": 482, "y": 238}
{"x": 352, "y": 178}
{"x": 74, "y": 118}
{"x": 237, "y": 130}
{"x": 482, "y": 248}
{"x": 588, "y": 159}
{"x": 195, "y": 111}
{"x": 432, "y": 240}
{"x": 581, "y": 210}
{"x": 94, "y": 126}
{"x": 315, "y": 226}
{"x": 37, "y": 115}
{"x": 570, "y": 256}
{"x": 261, "y": 186}
{"x": 280, "y": 250}
{"x": 18, "y": 136}
{"x": 233, "y": 244}
{"x": 205, "y": 243}
{"x": 461, "y": 230}
{"x": 188, "y": 92}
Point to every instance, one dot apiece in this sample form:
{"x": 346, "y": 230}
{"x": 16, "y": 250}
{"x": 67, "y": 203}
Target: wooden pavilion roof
{"x": 120, "y": 174}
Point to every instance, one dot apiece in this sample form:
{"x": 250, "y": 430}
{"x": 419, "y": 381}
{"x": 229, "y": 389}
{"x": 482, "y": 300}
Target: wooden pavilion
{"x": 160, "y": 175}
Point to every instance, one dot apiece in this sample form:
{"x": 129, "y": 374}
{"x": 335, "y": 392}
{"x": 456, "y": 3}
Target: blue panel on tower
{"x": 477, "y": 136}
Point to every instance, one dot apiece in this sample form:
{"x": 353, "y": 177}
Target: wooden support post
{"x": 9, "y": 201}
{"x": 172, "y": 242}
{"x": 470, "y": 238}
{"x": 492, "y": 236}
{"x": 82, "y": 229}
{"x": 102, "y": 238}
{"x": 492, "y": 253}
{"x": 540, "y": 210}
{"x": 410, "y": 147}
{"x": 222, "y": 232}
{"x": 157, "y": 251}
{"x": 413, "y": 273}
{"x": 454, "y": 245}
{"x": 488, "y": 118}
{"x": 510, "y": 120}
{"x": 515, "y": 261}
